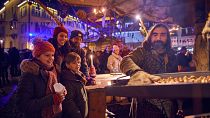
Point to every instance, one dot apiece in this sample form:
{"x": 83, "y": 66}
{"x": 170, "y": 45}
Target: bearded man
{"x": 154, "y": 57}
{"x": 75, "y": 40}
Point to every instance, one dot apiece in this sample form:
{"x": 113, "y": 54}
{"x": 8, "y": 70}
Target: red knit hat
{"x": 41, "y": 47}
{"x": 59, "y": 29}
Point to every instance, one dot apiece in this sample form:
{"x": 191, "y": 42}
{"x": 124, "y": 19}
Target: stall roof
{"x": 169, "y": 11}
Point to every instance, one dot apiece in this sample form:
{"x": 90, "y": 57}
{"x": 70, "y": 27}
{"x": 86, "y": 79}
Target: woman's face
{"x": 75, "y": 65}
{"x": 117, "y": 51}
{"x": 47, "y": 58}
{"x": 62, "y": 38}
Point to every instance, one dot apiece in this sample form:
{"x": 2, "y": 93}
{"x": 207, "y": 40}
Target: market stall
{"x": 115, "y": 85}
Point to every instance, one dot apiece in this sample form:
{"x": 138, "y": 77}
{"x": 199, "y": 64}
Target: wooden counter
{"x": 97, "y": 93}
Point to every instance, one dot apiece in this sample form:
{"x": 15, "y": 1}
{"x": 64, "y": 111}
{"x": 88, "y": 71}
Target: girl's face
{"x": 47, "y": 58}
{"x": 75, "y": 65}
{"x": 62, "y": 38}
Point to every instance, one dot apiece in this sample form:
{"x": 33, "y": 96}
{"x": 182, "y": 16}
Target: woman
{"x": 61, "y": 45}
{"x": 36, "y": 97}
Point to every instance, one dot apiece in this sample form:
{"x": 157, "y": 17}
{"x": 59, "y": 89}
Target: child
{"x": 75, "y": 103}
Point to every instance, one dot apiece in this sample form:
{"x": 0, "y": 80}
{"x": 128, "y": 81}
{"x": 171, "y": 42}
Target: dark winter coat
{"x": 75, "y": 103}
{"x": 184, "y": 61}
{"x": 104, "y": 59}
{"x": 149, "y": 61}
{"x": 31, "y": 92}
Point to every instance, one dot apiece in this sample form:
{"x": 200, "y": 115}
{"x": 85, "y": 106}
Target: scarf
{"x": 50, "y": 74}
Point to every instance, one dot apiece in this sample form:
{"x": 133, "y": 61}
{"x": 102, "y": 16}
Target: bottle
{"x": 92, "y": 71}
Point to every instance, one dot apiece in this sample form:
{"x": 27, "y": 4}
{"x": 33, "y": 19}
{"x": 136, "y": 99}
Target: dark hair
{"x": 71, "y": 57}
{"x": 147, "y": 42}
{"x": 183, "y": 48}
{"x": 64, "y": 49}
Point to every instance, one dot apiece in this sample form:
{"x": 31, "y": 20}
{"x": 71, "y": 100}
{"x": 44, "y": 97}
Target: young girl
{"x": 75, "y": 103}
{"x": 36, "y": 97}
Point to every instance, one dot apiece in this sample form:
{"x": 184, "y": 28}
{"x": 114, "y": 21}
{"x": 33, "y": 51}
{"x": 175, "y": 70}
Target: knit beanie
{"x": 76, "y": 33}
{"x": 41, "y": 47}
{"x": 59, "y": 29}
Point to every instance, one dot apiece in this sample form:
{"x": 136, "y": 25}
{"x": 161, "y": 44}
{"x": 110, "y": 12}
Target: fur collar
{"x": 29, "y": 66}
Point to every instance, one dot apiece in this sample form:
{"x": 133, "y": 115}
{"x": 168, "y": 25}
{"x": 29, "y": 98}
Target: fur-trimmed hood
{"x": 29, "y": 66}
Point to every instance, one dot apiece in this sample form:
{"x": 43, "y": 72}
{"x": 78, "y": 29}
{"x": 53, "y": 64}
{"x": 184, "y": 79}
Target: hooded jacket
{"x": 31, "y": 92}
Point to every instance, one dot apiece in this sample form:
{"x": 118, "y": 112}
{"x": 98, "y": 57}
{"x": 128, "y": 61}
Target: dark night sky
{"x": 2, "y": 3}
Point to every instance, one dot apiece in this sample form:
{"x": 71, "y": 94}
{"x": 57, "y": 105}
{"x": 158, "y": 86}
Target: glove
{"x": 90, "y": 81}
{"x": 142, "y": 78}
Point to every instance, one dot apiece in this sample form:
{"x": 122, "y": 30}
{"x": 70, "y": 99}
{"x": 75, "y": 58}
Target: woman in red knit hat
{"x": 61, "y": 44}
{"x": 36, "y": 96}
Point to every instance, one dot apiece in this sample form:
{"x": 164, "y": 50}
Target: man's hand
{"x": 142, "y": 78}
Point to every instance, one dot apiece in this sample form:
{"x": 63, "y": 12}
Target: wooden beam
{"x": 93, "y": 3}
{"x": 45, "y": 8}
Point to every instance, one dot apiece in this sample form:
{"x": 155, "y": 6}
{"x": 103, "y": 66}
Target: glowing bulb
{"x": 103, "y": 9}
{"x": 94, "y": 11}
{"x": 138, "y": 17}
{"x": 109, "y": 83}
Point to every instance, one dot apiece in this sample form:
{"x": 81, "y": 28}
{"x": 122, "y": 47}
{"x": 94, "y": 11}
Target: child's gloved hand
{"x": 90, "y": 81}
{"x": 142, "y": 78}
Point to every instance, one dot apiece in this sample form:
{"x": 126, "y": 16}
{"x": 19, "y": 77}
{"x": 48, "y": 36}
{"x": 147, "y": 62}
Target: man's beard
{"x": 75, "y": 44}
{"x": 159, "y": 47}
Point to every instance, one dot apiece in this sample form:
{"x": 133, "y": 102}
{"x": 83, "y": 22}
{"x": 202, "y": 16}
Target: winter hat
{"x": 59, "y": 29}
{"x": 76, "y": 33}
{"x": 42, "y": 47}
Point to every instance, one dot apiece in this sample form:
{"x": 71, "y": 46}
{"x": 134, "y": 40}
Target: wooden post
{"x": 96, "y": 103}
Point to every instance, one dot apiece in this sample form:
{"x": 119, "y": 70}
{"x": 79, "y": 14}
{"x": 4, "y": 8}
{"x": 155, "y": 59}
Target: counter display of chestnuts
{"x": 185, "y": 79}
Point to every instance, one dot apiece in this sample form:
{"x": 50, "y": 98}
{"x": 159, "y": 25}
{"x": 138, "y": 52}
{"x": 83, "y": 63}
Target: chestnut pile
{"x": 185, "y": 79}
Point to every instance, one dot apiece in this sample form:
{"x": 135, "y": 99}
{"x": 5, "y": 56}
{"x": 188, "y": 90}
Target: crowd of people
{"x": 62, "y": 60}
{"x": 9, "y": 65}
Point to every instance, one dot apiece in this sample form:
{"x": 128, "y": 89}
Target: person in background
{"x": 36, "y": 97}
{"x": 14, "y": 57}
{"x": 104, "y": 58}
{"x": 125, "y": 51}
{"x": 184, "y": 59}
{"x": 4, "y": 65}
{"x": 61, "y": 45}
{"x": 96, "y": 61}
{"x": 75, "y": 105}
{"x": 114, "y": 60}
{"x": 155, "y": 56}
{"x": 75, "y": 40}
